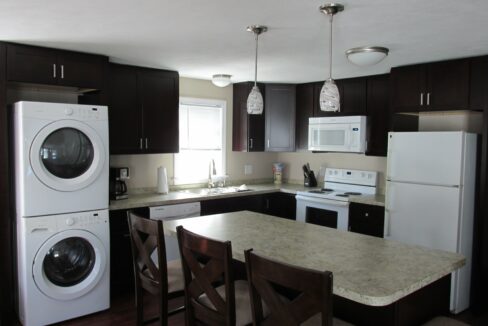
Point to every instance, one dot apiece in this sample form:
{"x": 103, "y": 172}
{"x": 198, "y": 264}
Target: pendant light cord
{"x": 256, "y": 61}
{"x": 330, "y": 47}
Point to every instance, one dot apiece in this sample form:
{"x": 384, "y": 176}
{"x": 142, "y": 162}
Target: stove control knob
{"x": 68, "y": 111}
{"x": 70, "y": 221}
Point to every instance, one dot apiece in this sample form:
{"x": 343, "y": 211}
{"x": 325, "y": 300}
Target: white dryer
{"x": 63, "y": 266}
{"x": 61, "y": 158}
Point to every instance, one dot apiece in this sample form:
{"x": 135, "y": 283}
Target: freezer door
{"x": 425, "y": 157}
{"x": 423, "y": 215}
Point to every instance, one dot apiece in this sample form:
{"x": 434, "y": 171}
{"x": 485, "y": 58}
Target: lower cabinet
{"x": 367, "y": 219}
{"x": 233, "y": 204}
{"x": 280, "y": 204}
{"x": 121, "y": 268}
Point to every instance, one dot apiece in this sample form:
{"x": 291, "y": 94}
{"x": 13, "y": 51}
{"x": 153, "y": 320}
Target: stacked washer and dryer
{"x": 61, "y": 180}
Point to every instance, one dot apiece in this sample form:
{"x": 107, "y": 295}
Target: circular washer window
{"x": 69, "y": 264}
{"x": 67, "y": 155}
{"x": 69, "y": 261}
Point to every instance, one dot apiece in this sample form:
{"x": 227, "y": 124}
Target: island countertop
{"x": 367, "y": 270}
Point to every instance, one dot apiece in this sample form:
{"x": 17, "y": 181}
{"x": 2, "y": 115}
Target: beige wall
{"x": 143, "y": 167}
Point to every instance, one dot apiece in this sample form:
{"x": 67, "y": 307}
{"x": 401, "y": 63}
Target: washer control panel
{"x": 56, "y": 223}
{"x": 54, "y": 111}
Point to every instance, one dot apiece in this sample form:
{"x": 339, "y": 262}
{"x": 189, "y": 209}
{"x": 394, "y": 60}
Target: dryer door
{"x": 69, "y": 264}
{"x": 67, "y": 155}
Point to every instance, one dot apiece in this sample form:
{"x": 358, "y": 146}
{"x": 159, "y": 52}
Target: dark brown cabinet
{"x": 143, "y": 114}
{"x": 304, "y": 110}
{"x": 428, "y": 87}
{"x": 352, "y": 96}
{"x": 367, "y": 219}
{"x": 280, "y": 118}
{"x": 377, "y": 111}
{"x": 478, "y": 95}
{"x": 233, "y": 204}
{"x": 247, "y": 129}
{"x": 30, "y": 64}
{"x": 280, "y": 204}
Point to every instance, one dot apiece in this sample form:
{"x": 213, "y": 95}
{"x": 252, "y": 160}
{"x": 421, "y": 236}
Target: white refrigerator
{"x": 430, "y": 191}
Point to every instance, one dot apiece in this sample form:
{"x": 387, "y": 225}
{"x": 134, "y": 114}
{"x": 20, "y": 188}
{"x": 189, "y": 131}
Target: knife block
{"x": 310, "y": 180}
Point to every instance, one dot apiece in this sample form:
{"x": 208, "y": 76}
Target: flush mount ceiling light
{"x": 255, "y": 104}
{"x": 329, "y": 95}
{"x": 366, "y": 55}
{"x": 221, "y": 80}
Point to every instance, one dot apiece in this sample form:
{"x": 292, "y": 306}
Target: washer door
{"x": 67, "y": 155}
{"x": 69, "y": 264}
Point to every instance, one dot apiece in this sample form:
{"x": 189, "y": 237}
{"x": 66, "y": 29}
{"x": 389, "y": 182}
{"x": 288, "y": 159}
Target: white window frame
{"x": 208, "y": 103}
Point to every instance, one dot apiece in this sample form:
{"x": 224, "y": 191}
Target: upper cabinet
{"x": 352, "y": 96}
{"x": 280, "y": 118}
{"x": 377, "y": 110}
{"x": 247, "y": 129}
{"x": 143, "y": 114}
{"x": 305, "y": 100}
{"x": 427, "y": 87}
{"x": 36, "y": 65}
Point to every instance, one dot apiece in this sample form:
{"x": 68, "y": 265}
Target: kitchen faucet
{"x": 211, "y": 171}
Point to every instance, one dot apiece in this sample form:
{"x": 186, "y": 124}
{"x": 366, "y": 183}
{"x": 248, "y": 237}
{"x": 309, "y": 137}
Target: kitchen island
{"x": 376, "y": 281}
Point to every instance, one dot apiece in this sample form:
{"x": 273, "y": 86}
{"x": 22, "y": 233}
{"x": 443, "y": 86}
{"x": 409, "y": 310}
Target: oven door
{"x": 324, "y": 212}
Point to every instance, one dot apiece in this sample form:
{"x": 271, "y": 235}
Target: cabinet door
{"x": 247, "y": 130}
{"x": 408, "y": 88}
{"x": 366, "y": 219}
{"x": 304, "y": 110}
{"x": 121, "y": 265}
{"x": 281, "y": 205}
{"x": 478, "y": 98}
{"x": 377, "y": 110}
{"x": 448, "y": 85}
{"x": 159, "y": 97}
{"x": 80, "y": 70}
{"x": 31, "y": 64}
{"x": 233, "y": 204}
{"x": 124, "y": 111}
{"x": 280, "y": 118}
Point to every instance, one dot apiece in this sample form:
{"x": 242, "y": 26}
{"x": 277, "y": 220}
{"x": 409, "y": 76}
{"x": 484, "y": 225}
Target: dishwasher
{"x": 173, "y": 212}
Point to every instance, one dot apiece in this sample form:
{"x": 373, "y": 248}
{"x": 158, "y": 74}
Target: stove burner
{"x": 327, "y": 190}
{"x": 321, "y": 191}
{"x": 353, "y": 193}
{"x": 342, "y": 195}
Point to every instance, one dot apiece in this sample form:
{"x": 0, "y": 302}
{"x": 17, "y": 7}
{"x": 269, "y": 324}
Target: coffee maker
{"x": 118, "y": 188}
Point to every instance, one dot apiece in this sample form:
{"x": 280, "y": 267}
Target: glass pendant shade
{"x": 329, "y": 97}
{"x": 255, "y": 103}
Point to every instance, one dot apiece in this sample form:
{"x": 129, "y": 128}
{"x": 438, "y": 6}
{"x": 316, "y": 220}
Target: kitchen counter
{"x": 367, "y": 270}
{"x": 180, "y": 196}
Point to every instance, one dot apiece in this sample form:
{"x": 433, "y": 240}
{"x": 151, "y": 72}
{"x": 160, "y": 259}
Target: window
{"x": 202, "y": 139}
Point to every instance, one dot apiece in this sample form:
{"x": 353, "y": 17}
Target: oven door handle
{"x": 322, "y": 201}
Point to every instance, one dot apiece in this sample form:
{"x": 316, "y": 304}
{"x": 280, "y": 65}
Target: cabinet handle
{"x": 366, "y": 214}
{"x": 140, "y": 143}
{"x": 349, "y": 228}
{"x": 421, "y": 99}
{"x": 428, "y": 98}
{"x": 147, "y": 144}
{"x": 62, "y": 71}
{"x": 54, "y": 70}
{"x": 268, "y": 142}
{"x": 250, "y": 143}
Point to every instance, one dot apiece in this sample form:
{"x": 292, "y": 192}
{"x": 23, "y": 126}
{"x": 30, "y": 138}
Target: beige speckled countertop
{"x": 178, "y": 197}
{"x": 366, "y": 269}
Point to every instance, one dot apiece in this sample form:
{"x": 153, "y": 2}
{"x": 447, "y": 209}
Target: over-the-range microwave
{"x": 337, "y": 134}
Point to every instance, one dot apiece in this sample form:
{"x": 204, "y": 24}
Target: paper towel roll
{"x": 162, "y": 180}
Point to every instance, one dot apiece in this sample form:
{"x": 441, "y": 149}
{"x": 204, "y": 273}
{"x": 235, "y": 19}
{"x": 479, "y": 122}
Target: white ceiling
{"x": 202, "y": 38}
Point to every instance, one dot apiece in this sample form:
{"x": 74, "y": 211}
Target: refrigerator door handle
{"x": 386, "y": 231}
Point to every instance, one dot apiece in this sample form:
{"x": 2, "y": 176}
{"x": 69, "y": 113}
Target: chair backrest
{"x": 146, "y": 236}
{"x": 312, "y": 292}
{"x": 207, "y": 263}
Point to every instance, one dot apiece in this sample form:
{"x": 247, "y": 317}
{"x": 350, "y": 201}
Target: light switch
{"x": 247, "y": 169}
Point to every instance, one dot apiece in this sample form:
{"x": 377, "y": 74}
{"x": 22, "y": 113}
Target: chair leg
{"x": 140, "y": 307}
{"x": 163, "y": 311}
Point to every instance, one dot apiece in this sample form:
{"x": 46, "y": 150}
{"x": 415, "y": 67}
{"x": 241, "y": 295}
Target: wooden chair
{"x": 212, "y": 296}
{"x": 310, "y": 292}
{"x": 160, "y": 278}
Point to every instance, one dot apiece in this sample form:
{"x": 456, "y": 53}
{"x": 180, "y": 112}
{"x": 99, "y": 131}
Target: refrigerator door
{"x": 423, "y": 215}
{"x": 425, "y": 157}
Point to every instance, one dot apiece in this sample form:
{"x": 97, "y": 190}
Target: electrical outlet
{"x": 247, "y": 169}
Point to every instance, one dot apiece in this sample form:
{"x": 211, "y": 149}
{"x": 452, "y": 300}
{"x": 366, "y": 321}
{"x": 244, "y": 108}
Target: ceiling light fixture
{"x": 255, "y": 104}
{"x": 366, "y": 55}
{"x": 329, "y": 95}
{"x": 221, "y": 80}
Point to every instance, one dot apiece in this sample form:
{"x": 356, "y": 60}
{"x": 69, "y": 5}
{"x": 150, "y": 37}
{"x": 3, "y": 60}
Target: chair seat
{"x": 175, "y": 276}
{"x": 316, "y": 320}
{"x": 444, "y": 321}
{"x": 243, "y": 302}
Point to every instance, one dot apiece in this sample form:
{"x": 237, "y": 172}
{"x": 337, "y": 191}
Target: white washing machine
{"x": 61, "y": 158}
{"x": 63, "y": 266}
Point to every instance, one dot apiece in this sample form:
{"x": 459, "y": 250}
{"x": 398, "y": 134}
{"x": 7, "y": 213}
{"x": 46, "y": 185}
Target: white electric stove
{"x": 329, "y": 206}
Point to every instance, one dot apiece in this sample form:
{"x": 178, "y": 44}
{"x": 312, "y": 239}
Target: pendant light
{"x": 255, "y": 104}
{"x": 329, "y": 95}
